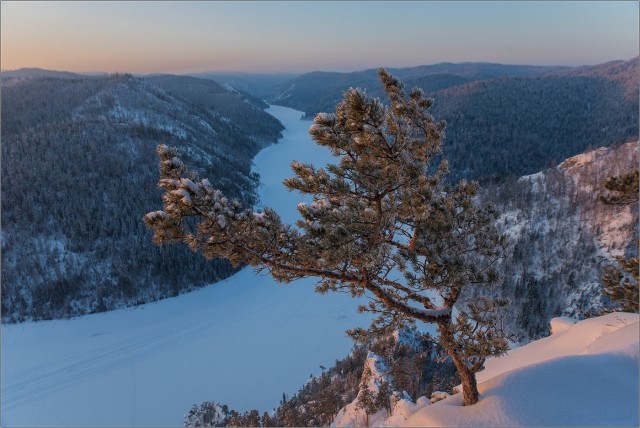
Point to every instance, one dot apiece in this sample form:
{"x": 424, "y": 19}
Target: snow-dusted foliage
{"x": 376, "y": 397}
{"x": 207, "y": 414}
{"x": 381, "y": 223}
{"x": 621, "y": 285}
{"x": 621, "y": 282}
{"x": 380, "y": 376}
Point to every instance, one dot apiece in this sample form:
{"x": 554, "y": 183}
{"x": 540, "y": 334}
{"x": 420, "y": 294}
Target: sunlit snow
{"x": 583, "y": 374}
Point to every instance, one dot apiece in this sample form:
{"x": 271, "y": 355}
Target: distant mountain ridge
{"x": 29, "y": 73}
{"x": 329, "y": 86}
{"x": 261, "y": 85}
{"x": 477, "y": 70}
{"x": 502, "y": 119}
{"x": 624, "y": 73}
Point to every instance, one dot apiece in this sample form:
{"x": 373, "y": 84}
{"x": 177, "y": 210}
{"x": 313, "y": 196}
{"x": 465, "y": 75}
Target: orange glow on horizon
{"x": 181, "y": 37}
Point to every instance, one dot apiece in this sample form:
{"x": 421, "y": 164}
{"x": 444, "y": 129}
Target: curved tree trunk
{"x": 468, "y": 378}
{"x": 467, "y": 375}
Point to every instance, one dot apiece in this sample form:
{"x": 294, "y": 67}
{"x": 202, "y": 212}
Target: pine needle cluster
{"x": 384, "y": 224}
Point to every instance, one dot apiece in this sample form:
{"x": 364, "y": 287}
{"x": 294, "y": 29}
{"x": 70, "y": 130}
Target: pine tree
{"x": 380, "y": 210}
{"x": 208, "y": 414}
{"x": 625, "y": 188}
{"x": 289, "y": 415}
{"x": 621, "y": 283}
{"x": 251, "y": 419}
{"x": 267, "y": 420}
{"x": 383, "y": 400}
{"x": 234, "y": 419}
{"x": 366, "y": 401}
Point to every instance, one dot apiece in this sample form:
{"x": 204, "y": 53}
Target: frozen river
{"x": 241, "y": 342}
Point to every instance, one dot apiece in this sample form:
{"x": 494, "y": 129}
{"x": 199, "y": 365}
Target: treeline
{"x": 76, "y": 153}
{"x": 518, "y": 126}
{"x": 503, "y": 120}
{"x": 413, "y": 365}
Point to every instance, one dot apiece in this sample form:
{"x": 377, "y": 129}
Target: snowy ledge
{"x": 584, "y": 374}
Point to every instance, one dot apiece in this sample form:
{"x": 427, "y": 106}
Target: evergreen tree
{"x": 267, "y": 420}
{"x": 251, "y": 419}
{"x": 366, "y": 401}
{"x": 208, "y": 414}
{"x": 289, "y": 415}
{"x": 382, "y": 209}
{"x": 621, "y": 283}
{"x": 383, "y": 400}
{"x": 625, "y": 188}
{"x": 234, "y": 419}
{"x": 191, "y": 419}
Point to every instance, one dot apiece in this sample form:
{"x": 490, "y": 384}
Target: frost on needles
{"x": 384, "y": 223}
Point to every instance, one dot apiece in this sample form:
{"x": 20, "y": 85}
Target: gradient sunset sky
{"x": 287, "y": 36}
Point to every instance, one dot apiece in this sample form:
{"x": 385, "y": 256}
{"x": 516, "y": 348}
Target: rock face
{"x": 561, "y": 237}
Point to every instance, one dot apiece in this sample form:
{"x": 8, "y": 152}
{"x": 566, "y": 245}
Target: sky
{"x": 297, "y": 37}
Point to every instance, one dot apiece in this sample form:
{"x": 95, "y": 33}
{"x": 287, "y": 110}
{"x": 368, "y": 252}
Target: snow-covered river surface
{"x": 241, "y": 342}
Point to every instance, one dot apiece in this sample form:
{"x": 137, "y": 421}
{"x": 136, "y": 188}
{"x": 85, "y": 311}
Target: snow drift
{"x": 583, "y": 374}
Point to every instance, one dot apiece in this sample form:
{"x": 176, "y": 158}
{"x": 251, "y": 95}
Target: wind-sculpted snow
{"x": 242, "y": 342}
{"x": 584, "y": 374}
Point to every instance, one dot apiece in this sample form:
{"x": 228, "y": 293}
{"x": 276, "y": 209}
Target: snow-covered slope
{"x": 561, "y": 236}
{"x": 243, "y": 341}
{"x": 583, "y": 374}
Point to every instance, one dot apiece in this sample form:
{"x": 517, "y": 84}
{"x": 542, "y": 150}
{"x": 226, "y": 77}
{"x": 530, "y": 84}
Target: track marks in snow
{"x": 73, "y": 368}
{"x": 242, "y": 341}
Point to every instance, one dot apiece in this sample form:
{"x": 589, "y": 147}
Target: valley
{"x": 319, "y": 214}
{"x": 101, "y": 327}
{"x": 147, "y": 365}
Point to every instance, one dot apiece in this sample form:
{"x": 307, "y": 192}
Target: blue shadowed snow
{"x": 242, "y": 342}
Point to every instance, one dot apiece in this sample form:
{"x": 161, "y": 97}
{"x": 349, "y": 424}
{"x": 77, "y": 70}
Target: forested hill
{"x": 561, "y": 238}
{"x": 79, "y": 171}
{"x": 502, "y": 120}
{"x": 238, "y": 107}
{"x": 30, "y": 73}
{"x": 320, "y": 91}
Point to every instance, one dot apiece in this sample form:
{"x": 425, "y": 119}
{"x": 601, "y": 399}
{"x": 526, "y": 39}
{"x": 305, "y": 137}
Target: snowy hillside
{"x": 561, "y": 236}
{"x": 79, "y": 171}
{"x": 245, "y": 340}
{"x": 583, "y": 374}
